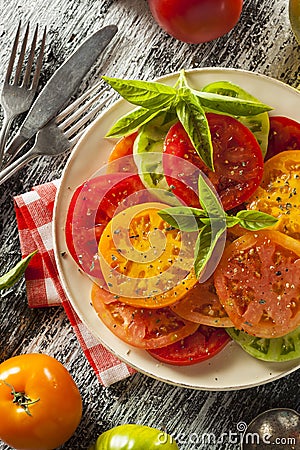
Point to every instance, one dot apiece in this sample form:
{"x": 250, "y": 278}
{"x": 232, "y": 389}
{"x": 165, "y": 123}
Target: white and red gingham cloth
{"x": 34, "y": 212}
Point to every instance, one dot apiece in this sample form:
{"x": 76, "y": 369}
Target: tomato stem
{"x": 22, "y": 399}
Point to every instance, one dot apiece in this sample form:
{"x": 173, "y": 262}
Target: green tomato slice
{"x": 285, "y": 348}
{"x": 147, "y": 152}
{"x": 259, "y": 124}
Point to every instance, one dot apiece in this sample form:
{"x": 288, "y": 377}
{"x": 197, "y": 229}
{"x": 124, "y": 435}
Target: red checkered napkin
{"x": 34, "y": 212}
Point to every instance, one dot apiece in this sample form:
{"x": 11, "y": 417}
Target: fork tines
{"x": 81, "y": 111}
{"x": 17, "y": 79}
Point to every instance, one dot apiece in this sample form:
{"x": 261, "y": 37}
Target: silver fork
{"x": 18, "y": 94}
{"x": 63, "y": 132}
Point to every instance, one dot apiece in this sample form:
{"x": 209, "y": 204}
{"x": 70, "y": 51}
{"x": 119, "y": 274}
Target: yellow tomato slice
{"x": 278, "y": 193}
{"x": 145, "y": 261}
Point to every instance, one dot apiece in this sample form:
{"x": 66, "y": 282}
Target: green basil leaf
{"x": 148, "y": 94}
{"x": 192, "y": 116}
{"x": 230, "y": 105}
{"x": 183, "y": 217}
{"x": 211, "y": 232}
{"x": 209, "y": 200}
{"x": 255, "y": 220}
{"x": 130, "y": 122}
{"x": 205, "y": 245}
{"x": 231, "y": 221}
{"x": 182, "y": 81}
{"x": 202, "y": 250}
{"x": 10, "y": 278}
{"x": 258, "y": 124}
{"x": 169, "y": 116}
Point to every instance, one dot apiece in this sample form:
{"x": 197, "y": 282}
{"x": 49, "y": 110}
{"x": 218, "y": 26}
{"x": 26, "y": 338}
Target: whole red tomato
{"x": 196, "y": 21}
{"x": 40, "y": 403}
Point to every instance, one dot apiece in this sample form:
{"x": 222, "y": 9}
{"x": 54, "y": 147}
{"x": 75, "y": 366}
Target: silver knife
{"x": 61, "y": 86}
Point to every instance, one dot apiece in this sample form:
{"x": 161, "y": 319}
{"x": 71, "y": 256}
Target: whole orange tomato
{"x": 40, "y": 403}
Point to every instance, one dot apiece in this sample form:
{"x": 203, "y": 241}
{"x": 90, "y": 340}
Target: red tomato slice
{"x": 92, "y": 206}
{"x": 284, "y": 135}
{"x": 202, "y": 305}
{"x": 203, "y": 344}
{"x": 258, "y": 283}
{"x": 140, "y": 327}
{"x": 237, "y": 158}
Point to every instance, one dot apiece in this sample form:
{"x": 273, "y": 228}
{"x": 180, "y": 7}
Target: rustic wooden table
{"x": 263, "y": 42}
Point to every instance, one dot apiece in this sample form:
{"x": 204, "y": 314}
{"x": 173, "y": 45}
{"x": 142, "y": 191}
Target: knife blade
{"x": 61, "y": 86}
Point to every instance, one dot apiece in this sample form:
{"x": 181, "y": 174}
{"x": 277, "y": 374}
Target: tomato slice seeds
{"x": 202, "y": 305}
{"x": 145, "y": 262}
{"x": 284, "y": 135}
{"x": 238, "y": 161}
{"x": 278, "y": 193}
{"x": 203, "y": 344}
{"x": 258, "y": 283}
{"x": 140, "y": 327}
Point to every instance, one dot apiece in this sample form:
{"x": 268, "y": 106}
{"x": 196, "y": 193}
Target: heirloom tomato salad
{"x": 191, "y": 232}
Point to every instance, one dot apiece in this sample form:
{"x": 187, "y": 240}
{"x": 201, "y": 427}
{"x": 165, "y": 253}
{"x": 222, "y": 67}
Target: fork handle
{"x": 10, "y": 170}
{"x": 7, "y": 121}
{"x": 13, "y": 147}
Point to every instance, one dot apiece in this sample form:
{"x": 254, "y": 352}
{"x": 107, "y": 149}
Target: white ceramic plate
{"x": 230, "y": 369}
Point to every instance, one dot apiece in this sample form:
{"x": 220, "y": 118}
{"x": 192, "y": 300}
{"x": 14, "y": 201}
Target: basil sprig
{"x": 190, "y": 105}
{"x": 211, "y": 222}
{"x": 132, "y": 121}
{"x": 10, "y": 278}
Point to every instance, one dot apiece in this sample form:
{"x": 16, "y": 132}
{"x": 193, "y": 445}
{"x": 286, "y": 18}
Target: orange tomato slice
{"x": 279, "y": 190}
{"x": 202, "y": 305}
{"x": 145, "y": 261}
{"x": 141, "y": 327}
{"x": 121, "y": 157}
